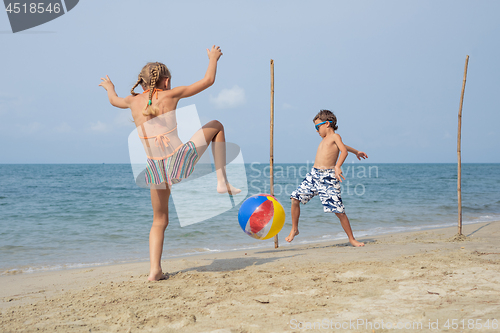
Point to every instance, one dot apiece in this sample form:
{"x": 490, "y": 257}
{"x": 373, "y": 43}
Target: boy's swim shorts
{"x": 321, "y": 182}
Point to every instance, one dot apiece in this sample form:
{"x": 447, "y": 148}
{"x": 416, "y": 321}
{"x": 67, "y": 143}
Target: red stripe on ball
{"x": 261, "y": 216}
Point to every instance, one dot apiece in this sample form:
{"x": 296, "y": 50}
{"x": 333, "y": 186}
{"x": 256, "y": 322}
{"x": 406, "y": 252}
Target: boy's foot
{"x": 227, "y": 188}
{"x": 292, "y": 235}
{"x": 355, "y": 243}
{"x": 157, "y": 276}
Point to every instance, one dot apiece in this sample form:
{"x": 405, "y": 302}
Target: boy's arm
{"x": 122, "y": 103}
{"x": 343, "y": 155}
{"x": 359, "y": 154}
{"x": 209, "y": 79}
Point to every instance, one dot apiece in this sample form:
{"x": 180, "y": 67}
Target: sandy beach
{"x": 424, "y": 281}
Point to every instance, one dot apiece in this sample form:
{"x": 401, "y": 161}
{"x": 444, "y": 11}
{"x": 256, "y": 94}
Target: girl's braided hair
{"x": 149, "y": 76}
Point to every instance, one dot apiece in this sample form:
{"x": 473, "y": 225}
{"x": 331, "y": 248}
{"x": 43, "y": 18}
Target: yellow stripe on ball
{"x": 278, "y": 219}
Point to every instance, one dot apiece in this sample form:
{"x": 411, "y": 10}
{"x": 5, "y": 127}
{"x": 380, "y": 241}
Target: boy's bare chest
{"x": 327, "y": 146}
{"x": 327, "y": 150}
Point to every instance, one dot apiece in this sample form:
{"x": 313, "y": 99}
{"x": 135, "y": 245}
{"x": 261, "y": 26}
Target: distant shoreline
{"x": 267, "y": 163}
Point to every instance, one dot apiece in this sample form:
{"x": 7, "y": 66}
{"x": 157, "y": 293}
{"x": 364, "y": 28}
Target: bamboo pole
{"x": 459, "y": 148}
{"x": 271, "y": 160}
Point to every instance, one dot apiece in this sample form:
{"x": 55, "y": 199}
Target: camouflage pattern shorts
{"x": 321, "y": 182}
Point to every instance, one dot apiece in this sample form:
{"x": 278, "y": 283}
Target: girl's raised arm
{"x": 209, "y": 79}
{"x": 122, "y": 103}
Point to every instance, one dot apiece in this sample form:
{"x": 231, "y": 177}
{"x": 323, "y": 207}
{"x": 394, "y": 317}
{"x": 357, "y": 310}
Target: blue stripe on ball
{"x": 247, "y": 209}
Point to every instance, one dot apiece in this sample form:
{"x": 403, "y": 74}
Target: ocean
{"x": 62, "y": 216}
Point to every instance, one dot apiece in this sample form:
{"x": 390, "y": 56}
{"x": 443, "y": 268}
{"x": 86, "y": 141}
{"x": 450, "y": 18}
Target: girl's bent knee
{"x": 216, "y": 124}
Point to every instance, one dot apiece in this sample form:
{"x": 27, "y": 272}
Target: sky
{"x": 391, "y": 71}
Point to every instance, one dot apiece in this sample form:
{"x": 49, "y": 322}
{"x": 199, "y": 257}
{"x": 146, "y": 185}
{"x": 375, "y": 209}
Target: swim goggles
{"x": 318, "y": 125}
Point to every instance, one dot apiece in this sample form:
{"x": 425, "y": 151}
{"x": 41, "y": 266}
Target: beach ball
{"x": 261, "y": 216}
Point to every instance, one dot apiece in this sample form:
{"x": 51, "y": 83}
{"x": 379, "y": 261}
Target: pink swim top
{"x": 159, "y": 136}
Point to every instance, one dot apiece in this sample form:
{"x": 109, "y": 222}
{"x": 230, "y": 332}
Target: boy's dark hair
{"x": 327, "y": 115}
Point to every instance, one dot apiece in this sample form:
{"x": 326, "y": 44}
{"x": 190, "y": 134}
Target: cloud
{"x": 287, "y": 106}
{"x": 229, "y": 98}
{"x": 64, "y": 128}
{"x": 98, "y": 127}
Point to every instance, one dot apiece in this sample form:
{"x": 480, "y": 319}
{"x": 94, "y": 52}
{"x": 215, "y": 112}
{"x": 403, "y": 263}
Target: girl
{"x": 169, "y": 160}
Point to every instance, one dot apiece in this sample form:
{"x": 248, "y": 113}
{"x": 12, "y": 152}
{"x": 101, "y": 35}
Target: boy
{"x": 324, "y": 178}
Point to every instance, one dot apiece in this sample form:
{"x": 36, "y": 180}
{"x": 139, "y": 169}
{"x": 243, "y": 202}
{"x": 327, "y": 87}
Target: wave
{"x": 254, "y": 246}
{"x": 34, "y": 269}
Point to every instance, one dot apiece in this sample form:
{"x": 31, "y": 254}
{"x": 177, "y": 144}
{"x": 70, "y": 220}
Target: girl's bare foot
{"x": 355, "y": 243}
{"x": 157, "y": 276}
{"x": 292, "y": 235}
{"x": 227, "y": 188}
